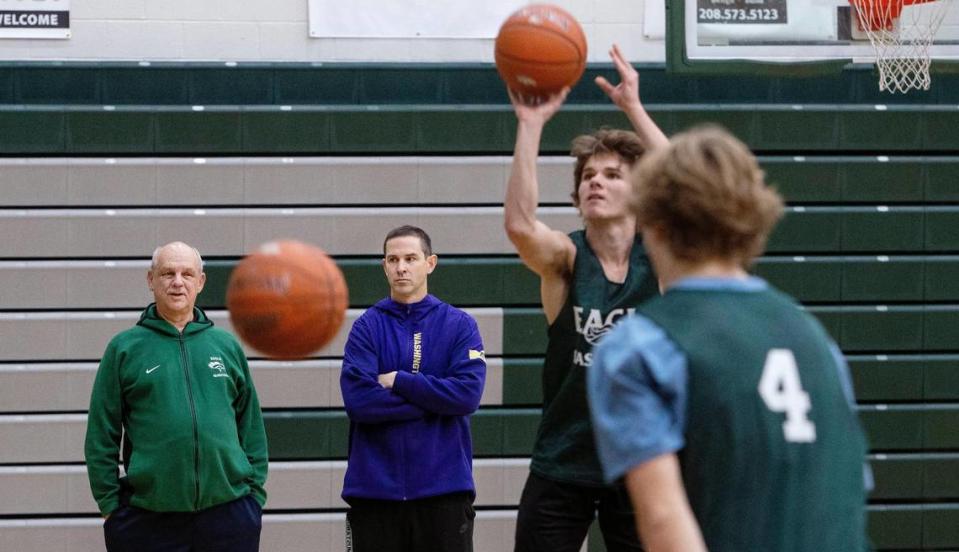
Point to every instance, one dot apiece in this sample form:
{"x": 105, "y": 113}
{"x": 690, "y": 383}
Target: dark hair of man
{"x": 624, "y": 143}
{"x": 408, "y": 230}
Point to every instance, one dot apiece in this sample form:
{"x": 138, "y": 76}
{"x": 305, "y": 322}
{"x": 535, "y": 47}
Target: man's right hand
{"x": 537, "y": 110}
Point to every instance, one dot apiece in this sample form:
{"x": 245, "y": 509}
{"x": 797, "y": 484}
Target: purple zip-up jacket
{"x": 411, "y": 441}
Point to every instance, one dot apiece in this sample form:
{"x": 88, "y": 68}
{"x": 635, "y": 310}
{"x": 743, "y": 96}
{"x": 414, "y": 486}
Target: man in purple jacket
{"x": 413, "y": 372}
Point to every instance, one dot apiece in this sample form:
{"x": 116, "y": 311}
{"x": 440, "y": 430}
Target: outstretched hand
{"x": 535, "y": 109}
{"x": 626, "y": 93}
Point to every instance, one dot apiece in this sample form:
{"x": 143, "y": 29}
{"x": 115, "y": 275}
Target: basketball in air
{"x": 539, "y": 50}
{"x": 287, "y": 299}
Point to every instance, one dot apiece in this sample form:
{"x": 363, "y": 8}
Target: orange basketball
{"x": 287, "y": 299}
{"x": 539, "y": 50}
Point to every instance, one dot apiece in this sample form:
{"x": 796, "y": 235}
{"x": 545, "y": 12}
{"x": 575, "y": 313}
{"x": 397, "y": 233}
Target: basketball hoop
{"x": 901, "y": 31}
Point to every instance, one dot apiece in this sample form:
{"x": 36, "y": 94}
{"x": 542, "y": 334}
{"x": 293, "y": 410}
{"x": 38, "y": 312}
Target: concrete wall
{"x": 277, "y": 30}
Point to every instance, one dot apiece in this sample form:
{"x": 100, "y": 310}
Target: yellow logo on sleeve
{"x": 474, "y": 354}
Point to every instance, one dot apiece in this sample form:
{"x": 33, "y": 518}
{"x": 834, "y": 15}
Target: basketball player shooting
{"x": 589, "y": 278}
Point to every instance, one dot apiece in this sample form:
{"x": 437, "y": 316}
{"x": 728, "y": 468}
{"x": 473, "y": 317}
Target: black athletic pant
{"x": 230, "y": 527}
{"x": 555, "y": 517}
{"x": 437, "y": 524}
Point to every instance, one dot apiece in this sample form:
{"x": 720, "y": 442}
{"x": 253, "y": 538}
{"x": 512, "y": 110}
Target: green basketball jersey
{"x": 774, "y": 452}
{"x": 564, "y": 449}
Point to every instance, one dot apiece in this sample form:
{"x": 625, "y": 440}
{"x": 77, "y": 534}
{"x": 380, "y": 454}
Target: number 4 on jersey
{"x": 781, "y": 390}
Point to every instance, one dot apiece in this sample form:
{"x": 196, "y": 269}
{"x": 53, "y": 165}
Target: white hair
{"x": 156, "y": 254}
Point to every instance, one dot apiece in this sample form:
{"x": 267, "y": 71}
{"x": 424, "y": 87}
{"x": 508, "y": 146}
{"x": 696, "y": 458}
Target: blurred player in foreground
{"x": 727, "y": 408}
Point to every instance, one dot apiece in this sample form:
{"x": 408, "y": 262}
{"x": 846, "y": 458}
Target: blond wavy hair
{"x": 707, "y": 194}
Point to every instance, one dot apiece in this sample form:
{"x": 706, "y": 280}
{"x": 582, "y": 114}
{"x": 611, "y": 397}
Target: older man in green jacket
{"x": 177, "y": 393}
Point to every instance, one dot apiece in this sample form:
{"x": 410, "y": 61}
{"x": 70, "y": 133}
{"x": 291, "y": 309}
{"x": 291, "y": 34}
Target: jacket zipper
{"x": 185, "y": 358}
{"x": 409, "y": 343}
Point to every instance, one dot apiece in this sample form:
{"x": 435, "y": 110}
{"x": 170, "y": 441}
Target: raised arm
{"x": 366, "y": 401}
{"x": 626, "y": 96}
{"x": 545, "y": 251}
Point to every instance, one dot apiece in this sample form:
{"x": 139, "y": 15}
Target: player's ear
{"x": 431, "y": 263}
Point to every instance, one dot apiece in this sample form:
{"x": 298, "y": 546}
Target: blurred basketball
{"x": 539, "y": 50}
{"x": 287, "y": 299}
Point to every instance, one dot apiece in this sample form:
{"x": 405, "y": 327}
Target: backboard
{"x": 787, "y": 37}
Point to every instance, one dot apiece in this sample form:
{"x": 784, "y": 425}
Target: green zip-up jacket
{"x": 194, "y": 435}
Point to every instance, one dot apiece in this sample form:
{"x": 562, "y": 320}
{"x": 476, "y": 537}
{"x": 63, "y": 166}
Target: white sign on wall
{"x": 409, "y": 19}
{"x": 34, "y": 18}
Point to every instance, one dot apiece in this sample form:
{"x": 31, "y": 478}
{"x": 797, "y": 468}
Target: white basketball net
{"x": 901, "y": 32}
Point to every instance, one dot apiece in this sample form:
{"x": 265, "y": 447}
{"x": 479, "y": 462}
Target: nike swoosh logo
{"x": 150, "y": 370}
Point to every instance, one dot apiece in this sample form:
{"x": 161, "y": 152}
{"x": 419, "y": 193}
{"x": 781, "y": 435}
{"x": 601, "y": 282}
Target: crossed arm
{"x": 458, "y": 391}
{"x": 371, "y": 397}
{"x": 365, "y": 399}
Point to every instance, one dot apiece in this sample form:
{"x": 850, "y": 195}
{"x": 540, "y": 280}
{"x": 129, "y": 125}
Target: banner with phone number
{"x": 740, "y": 12}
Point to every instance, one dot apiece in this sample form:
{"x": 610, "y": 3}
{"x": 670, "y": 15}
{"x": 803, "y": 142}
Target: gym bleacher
{"x": 102, "y": 162}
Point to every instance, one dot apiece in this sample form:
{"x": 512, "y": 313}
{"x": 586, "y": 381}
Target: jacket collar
{"x": 150, "y": 318}
{"x": 408, "y": 310}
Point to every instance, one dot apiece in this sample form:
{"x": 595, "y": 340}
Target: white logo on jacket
{"x": 216, "y": 365}
{"x": 417, "y": 351}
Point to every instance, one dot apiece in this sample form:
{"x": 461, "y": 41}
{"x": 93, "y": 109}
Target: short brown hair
{"x": 706, "y": 192}
{"x": 623, "y": 143}
{"x": 409, "y": 230}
